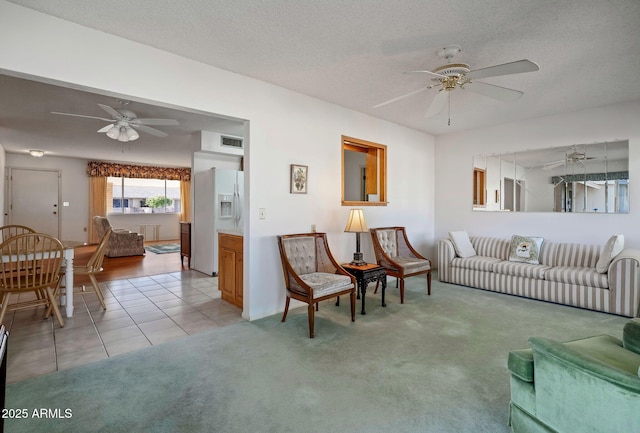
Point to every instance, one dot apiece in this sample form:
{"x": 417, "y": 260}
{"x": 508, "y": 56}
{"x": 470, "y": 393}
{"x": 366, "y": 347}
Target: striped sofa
{"x": 566, "y": 274}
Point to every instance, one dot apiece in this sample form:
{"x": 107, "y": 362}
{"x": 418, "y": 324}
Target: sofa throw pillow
{"x": 462, "y": 244}
{"x": 525, "y": 249}
{"x": 613, "y": 247}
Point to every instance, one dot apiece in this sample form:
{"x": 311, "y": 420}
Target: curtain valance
{"x": 108, "y": 169}
{"x": 593, "y": 177}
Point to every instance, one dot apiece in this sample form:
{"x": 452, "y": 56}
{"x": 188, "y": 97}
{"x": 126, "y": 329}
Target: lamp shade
{"x": 356, "y": 222}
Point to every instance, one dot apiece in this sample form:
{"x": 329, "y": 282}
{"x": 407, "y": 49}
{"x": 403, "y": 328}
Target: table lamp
{"x": 357, "y": 225}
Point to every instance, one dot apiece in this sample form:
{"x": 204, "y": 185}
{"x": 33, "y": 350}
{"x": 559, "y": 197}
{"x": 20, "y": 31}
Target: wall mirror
{"x": 364, "y": 173}
{"x": 578, "y": 178}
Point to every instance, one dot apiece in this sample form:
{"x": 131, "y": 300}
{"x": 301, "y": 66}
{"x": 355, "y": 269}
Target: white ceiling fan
{"x": 124, "y": 124}
{"x": 574, "y": 157}
{"x": 454, "y": 76}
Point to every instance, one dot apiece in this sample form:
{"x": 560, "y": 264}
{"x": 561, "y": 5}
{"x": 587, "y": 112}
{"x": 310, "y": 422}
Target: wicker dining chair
{"x": 93, "y": 267}
{"x": 11, "y": 230}
{"x": 30, "y": 263}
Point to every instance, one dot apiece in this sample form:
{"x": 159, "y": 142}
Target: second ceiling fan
{"x": 124, "y": 123}
{"x": 454, "y": 76}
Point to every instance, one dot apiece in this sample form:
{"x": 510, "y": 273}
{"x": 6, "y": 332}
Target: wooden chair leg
{"x": 401, "y": 290}
{"x": 286, "y": 309}
{"x": 56, "y": 310}
{"x": 56, "y": 294}
{"x": 96, "y": 288}
{"x": 376, "y": 289}
{"x": 429, "y": 283}
{"x": 353, "y": 306}
{"x": 311, "y": 320}
{"x": 5, "y": 304}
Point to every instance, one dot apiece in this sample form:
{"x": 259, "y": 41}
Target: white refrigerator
{"x": 217, "y": 205}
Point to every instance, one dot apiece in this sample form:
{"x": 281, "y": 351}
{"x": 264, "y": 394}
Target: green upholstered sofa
{"x": 581, "y": 386}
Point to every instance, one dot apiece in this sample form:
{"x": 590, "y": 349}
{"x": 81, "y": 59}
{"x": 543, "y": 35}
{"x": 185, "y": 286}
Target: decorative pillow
{"x": 462, "y": 244}
{"x": 525, "y": 249}
{"x": 614, "y": 246}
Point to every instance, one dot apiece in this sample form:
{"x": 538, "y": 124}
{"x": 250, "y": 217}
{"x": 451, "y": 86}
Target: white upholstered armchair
{"x": 395, "y": 253}
{"x": 311, "y": 274}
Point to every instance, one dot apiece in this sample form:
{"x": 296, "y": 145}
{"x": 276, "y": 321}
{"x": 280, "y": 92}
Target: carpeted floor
{"x": 435, "y": 364}
{"x": 163, "y": 248}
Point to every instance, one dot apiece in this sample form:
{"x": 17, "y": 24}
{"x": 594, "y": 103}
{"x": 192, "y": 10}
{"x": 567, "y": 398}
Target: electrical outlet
{"x": 313, "y": 228}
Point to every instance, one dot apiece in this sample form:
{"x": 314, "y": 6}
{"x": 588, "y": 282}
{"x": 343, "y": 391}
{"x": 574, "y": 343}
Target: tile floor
{"x": 141, "y": 312}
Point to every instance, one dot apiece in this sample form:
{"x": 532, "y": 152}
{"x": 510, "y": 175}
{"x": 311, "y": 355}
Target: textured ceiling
{"x": 354, "y": 52}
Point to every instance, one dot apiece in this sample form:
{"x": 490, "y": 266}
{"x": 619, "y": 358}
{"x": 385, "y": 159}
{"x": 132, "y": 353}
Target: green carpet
{"x": 163, "y": 248}
{"x": 435, "y": 364}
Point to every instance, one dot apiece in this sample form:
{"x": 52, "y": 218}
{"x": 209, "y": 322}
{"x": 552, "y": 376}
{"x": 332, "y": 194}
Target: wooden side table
{"x": 366, "y": 274}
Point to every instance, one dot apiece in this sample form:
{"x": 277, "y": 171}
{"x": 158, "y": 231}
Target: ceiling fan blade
{"x": 106, "y": 128}
{"x": 111, "y": 111}
{"x": 82, "y": 115}
{"x": 438, "y": 103}
{"x": 154, "y": 122}
{"x": 516, "y": 67}
{"x": 493, "y": 91}
{"x": 553, "y": 164}
{"x": 149, "y": 130}
{"x": 433, "y": 74}
{"x": 406, "y": 95}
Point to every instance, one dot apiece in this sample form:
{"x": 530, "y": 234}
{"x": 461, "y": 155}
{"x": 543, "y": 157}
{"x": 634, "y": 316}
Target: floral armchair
{"x": 122, "y": 242}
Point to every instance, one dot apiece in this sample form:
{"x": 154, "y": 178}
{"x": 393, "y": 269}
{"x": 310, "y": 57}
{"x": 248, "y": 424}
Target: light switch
{"x": 262, "y": 213}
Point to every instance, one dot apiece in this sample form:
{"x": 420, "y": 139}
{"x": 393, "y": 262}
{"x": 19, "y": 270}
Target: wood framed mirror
{"x": 364, "y": 173}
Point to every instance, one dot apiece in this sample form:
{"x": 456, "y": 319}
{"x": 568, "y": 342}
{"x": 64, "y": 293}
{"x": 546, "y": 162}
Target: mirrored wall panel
{"x": 577, "y": 178}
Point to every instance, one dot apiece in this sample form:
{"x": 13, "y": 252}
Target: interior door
{"x": 34, "y": 199}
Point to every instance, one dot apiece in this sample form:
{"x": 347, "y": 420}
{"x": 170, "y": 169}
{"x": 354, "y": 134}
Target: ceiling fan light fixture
{"x": 37, "y": 153}
{"x": 114, "y": 132}
{"x": 123, "y": 135}
{"x": 132, "y": 134}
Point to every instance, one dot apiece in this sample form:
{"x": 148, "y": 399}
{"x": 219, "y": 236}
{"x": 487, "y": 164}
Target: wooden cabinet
{"x": 185, "y": 243}
{"x": 230, "y": 268}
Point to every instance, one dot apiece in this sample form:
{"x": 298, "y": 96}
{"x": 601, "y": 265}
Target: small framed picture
{"x": 299, "y": 176}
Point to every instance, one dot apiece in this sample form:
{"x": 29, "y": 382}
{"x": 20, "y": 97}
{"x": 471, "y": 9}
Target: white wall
{"x": 284, "y": 128}
{"x": 454, "y": 156}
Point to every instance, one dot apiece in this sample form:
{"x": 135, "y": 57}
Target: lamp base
{"x": 358, "y": 259}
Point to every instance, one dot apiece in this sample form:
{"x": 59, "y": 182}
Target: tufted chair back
{"x": 388, "y": 241}
{"x": 301, "y": 253}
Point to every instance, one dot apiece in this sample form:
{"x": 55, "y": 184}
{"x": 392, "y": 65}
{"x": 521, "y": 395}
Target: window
{"x": 364, "y": 173}
{"x": 132, "y": 196}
